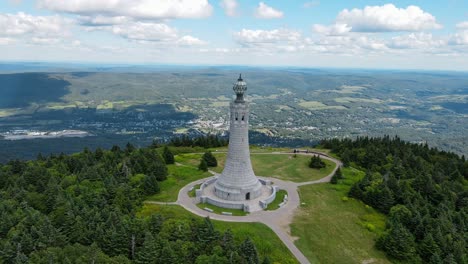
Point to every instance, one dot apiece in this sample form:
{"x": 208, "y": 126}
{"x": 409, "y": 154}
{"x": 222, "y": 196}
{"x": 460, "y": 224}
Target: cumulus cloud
{"x": 145, "y": 31}
{"x": 190, "y": 41}
{"x": 230, "y": 7}
{"x": 387, "y": 18}
{"x": 332, "y": 30}
{"x": 459, "y": 38}
{"x": 40, "y": 30}
{"x": 253, "y": 37}
{"x": 149, "y": 32}
{"x": 267, "y": 12}
{"x": 419, "y": 40}
{"x": 142, "y": 9}
{"x": 6, "y": 41}
{"x": 100, "y": 20}
{"x": 268, "y": 42}
{"x": 24, "y": 24}
{"x": 347, "y": 45}
{"x": 462, "y": 25}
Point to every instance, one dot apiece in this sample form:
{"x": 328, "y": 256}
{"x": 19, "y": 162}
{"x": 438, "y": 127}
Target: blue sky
{"x": 350, "y": 34}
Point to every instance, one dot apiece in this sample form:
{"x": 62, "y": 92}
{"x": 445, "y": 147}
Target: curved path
{"x": 278, "y": 220}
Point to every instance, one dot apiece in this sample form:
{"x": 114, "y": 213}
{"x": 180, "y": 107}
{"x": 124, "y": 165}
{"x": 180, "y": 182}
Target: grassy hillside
{"x": 332, "y": 228}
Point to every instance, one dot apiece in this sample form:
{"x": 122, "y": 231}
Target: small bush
{"x": 370, "y": 227}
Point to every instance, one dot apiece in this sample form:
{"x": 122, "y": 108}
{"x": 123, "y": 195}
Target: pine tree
{"x": 150, "y": 184}
{"x": 210, "y": 159}
{"x": 150, "y": 251}
{"x": 249, "y": 252}
{"x": 428, "y": 247}
{"x": 168, "y": 156}
{"x": 160, "y": 170}
{"x": 334, "y": 179}
{"x": 339, "y": 174}
{"x": 316, "y": 162}
{"x": 398, "y": 243}
{"x": 203, "y": 166}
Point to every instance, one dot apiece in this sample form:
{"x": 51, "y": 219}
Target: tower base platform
{"x": 266, "y": 195}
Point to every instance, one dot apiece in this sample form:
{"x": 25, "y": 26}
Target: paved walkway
{"x": 278, "y": 220}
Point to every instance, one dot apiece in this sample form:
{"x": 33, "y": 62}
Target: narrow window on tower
{"x": 243, "y": 114}
{"x": 237, "y": 116}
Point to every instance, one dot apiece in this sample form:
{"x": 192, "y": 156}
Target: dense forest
{"x": 423, "y": 191}
{"x": 82, "y": 208}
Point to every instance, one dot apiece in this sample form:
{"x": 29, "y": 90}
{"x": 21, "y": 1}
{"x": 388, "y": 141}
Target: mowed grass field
{"x": 178, "y": 177}
{"x": 265, "y": 240}
{"x": 281, "y": 166}
{"x": 333, "y": 228}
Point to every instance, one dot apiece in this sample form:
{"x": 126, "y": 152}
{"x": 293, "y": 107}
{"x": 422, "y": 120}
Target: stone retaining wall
{"x": 271, "y": 198}
{"x": 223, "y": 204}
{"x": 199, "y": 192}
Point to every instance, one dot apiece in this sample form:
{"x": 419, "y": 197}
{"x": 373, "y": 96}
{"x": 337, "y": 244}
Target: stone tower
{"x": 238, "y": 182}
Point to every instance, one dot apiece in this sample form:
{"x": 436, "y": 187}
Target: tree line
{"x": 205, "y": 141}
{"x": 82, "y": 208}
{"x": 422, "y": 190}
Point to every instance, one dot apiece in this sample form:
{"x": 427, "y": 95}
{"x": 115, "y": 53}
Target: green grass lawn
{"x": 219, "y": 210}
{"x": 288, "y": 167}
{"x": 178, "y": 177}
{"x": 265, "y": 240}
{"x": 278, "y": 199}
{"x": 285, "y": 167}
{"x": 335, "y": 229}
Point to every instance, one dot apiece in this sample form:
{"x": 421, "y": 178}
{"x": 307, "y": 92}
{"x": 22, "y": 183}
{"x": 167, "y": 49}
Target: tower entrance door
{"x": 247, "y": 196}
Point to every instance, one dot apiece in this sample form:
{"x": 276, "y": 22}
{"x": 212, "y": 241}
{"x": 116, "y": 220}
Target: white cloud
{"x": 100, "y": 20}
{"x": 387, "y": 18}
{"x": 230, "y": 7}
{"x": 421, "y": 41}
{"x": 459, "y": 38}
{"x": 267, "y": 12}
{"x": 145, "y": 31}
{"x": 142, "y": 9}
{"x": 44, "y": 41}
{"x": 348, "y": 45}
{"x": 6, "y": 41}
{"x": 23, "y": 24}
{"x": 150, "y": 32}
{"x": 332, "y": 30}
{"x": 462, "y": 25}
{"x": 253, "y": 37}
{"x": 190, "y": 41}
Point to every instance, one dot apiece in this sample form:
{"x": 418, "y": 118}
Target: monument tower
{"x": 238, "y": 182}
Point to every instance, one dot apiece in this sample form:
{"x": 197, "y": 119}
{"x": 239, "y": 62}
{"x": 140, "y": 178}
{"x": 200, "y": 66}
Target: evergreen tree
{"x": 203, "y": 166}
{"x": 168, "y": 156}
{"x": 334, "y": 179}
{"x": 427, "y": 248}
{"x": 150, "y": 184}
{"x": 159, "y": 170}
{"x": 210, "y": 159}
{"x": 249, "y": 252}
{"x": 316, "y": 162}
{"x": 398, "y": 243}
{"x": 150, "y": 252}
{"x": 339, "y": 174}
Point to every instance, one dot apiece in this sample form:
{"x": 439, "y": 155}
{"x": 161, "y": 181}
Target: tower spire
{"x": 239, "y": 88}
